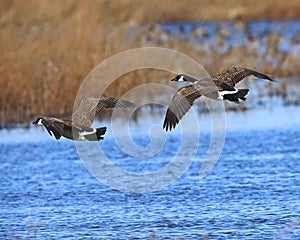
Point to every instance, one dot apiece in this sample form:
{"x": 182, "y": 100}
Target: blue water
{"x": 252, "y": 192}
{"x": 238, "y": 35}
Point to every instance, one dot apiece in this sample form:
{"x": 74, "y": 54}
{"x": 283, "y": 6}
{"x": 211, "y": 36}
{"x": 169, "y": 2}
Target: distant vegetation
{"x": 48, "y": 47}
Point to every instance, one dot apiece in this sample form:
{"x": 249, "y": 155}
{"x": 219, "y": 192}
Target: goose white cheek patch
{"x": 40, "y": 122}
{"x": 181, "y": 79}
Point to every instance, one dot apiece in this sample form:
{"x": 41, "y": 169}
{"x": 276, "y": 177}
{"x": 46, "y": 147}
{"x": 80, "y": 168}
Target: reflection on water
{"x": 251, "y": 193}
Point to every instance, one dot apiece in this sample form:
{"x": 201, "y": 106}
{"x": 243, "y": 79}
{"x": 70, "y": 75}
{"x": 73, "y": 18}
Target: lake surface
{"x": 238, "y": 34}
{"x": 251, "y": 193}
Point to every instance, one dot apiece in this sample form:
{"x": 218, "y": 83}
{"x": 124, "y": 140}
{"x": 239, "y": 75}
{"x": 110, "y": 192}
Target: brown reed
{"x": 46, "y": 53}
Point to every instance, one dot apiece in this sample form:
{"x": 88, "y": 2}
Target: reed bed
{"x": 47, "y": 52}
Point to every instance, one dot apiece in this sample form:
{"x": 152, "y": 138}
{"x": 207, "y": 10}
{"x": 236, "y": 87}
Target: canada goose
{"x": 218, "y": 87}
{"x": 78, "y": 127}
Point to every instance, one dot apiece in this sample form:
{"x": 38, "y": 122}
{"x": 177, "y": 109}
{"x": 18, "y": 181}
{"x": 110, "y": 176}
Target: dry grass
{"x": 48, "y": 47}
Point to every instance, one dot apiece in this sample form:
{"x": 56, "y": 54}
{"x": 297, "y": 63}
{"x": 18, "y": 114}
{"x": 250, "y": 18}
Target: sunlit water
{"x": 253, "y": 191}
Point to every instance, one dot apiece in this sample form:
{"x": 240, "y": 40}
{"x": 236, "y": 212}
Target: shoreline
{"x": 282, "y": 118}
{"x": 253, "y": 103}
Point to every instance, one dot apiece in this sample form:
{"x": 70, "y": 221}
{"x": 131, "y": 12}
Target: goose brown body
{"x": 219, "y": 87}
{"x": 78, "y": 126}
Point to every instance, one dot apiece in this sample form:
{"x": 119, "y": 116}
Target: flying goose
{"x": 219, "y": 87}
{"x": 79, "y": 125}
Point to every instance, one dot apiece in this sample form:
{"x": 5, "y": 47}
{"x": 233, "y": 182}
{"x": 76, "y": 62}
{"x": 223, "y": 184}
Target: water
{"x": 252, "y": 192}
{"x": 239, "y": 34}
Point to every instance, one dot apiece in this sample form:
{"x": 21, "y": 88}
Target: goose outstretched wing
{"x": 89, "y": 107}
{"x": 234, "y": 74}
{"x": 56, "y": 126}
{"x": 183, "y": 100}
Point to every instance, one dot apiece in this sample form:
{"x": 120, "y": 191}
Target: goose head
{"x": 38, "y": 121}
{"x": 184, "y": 78}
